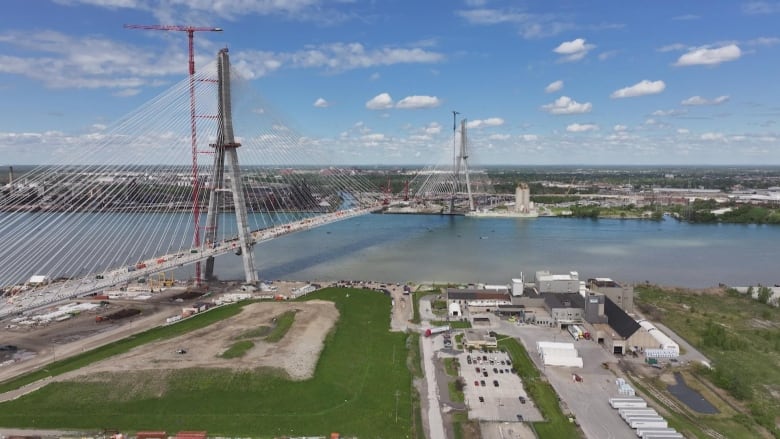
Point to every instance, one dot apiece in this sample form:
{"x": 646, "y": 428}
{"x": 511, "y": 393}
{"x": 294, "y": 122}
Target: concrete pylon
{"x": 226, "y": 150}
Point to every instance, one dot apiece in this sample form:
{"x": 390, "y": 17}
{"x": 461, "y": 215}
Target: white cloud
{"x": 683, "y": 131}
{"x": 719, "y": 137}
{"x": 674, "y": 47}
{"x": 375, "y": 137}
{"x": 619, "y": 128}
{"x": 764, "y": 41}
{"x": 374, "y": 76}
{"x": 641, "y": 88}
{"x": 530, "y": 25}
{"x": 608, "y": 54}
{"x": 485, "y": 123}
{"x": 760, "y": 8}
{"x": 382, "y": 101}
{"x": 433, "y": 128}
{"x": 698, "y": 100}
{"x": 664, "y": 113}
{"x": 567, "y": 105}
{"x": 554, "y": 86}
{"x": 321, "y": 103}
{"x": 499, "y": 137}
{"x": 573, "y": 50}
{"x": 529, "y": 137}
{"x": 417, "y": 102}
{"x": 581, "y": 128}
{"x": 708, "y": 56}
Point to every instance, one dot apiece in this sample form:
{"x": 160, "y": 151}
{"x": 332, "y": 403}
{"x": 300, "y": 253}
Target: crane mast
{"x": 193, "y": 126}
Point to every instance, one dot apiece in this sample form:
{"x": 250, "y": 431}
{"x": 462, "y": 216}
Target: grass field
{"x": 541, "y": 392}
{"x": 742, "y": 338}
{"x": 238, "y": 349}
{"x": 283, "y": 324}
{"x": 362, "y": 387}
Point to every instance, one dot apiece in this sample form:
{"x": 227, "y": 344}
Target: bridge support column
{"x": 226, "y": 148}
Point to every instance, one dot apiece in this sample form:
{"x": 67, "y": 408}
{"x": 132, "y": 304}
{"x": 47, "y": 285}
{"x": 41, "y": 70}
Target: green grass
{"x": 456, "y": 395}
{"x": 451, "y": 366}
{"x": 238, "y": 349}
{"x": 159, "y": 333}
{"x": 354, "y": 390}
{"x": 742, "y": 338}
{"x": 259, "y": 332}
{"x": 283, "y": 324}
{"x": 541, "y": 392}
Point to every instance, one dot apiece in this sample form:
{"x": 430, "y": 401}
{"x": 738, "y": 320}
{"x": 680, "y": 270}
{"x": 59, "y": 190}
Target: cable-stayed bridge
{"x": 163, "y": 188}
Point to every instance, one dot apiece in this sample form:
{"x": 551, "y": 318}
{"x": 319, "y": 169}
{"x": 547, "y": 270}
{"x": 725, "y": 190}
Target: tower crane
{"x": 195, "y": 183}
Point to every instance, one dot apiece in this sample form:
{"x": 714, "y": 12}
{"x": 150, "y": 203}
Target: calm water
{"x": 397, "y": 248}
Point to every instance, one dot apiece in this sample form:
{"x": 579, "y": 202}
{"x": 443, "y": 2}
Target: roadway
{"x": 97, "y": 282}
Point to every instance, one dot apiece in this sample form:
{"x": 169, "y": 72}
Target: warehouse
{"x": 622, "y": 295}
{"x": 622, "y": 334}
{"x": 477, "y": 300}
{"x": 547, "y": 282}
{"x": 664, "y": 342}
{"x": 564, "y": 308}
{"x": 558, "y": 354}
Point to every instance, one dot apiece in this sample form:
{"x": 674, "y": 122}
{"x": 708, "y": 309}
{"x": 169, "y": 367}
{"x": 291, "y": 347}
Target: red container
{"x": 151, "y": 435}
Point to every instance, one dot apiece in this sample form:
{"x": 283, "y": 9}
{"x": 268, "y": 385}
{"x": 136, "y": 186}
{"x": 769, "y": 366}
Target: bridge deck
{"x": 96, "y": 282}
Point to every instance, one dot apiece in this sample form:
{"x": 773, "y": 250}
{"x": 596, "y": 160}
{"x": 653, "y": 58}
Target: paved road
{"x": 435, "y": 420}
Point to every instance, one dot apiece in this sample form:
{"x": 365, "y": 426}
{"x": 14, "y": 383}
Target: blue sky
{"x": 563, "y": 82}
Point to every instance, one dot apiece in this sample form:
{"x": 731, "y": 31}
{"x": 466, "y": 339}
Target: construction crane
{"x": 195, "y": 183}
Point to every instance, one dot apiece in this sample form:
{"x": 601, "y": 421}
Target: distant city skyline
{"x": 541, "y": 83}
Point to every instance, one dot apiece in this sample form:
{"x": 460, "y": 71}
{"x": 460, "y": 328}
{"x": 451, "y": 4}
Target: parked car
{"x": 476, "y": 383}
{"x": 495, "y": 383}
{"x": 522, "y": 399}
{"x": 482, "y": 382}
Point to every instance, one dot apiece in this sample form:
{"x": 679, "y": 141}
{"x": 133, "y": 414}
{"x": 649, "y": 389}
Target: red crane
{"x": 195, "y": 183}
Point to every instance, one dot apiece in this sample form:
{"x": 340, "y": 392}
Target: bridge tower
{"x": 460, "y": 160}
{"x": 226, "y": 149}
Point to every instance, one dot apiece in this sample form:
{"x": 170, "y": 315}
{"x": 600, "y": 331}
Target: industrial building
{"x": 547, "y": 282}
{"x": 478, "y": 339}
{"x": 477, "y": 300}
{"x": 622, "y": 295}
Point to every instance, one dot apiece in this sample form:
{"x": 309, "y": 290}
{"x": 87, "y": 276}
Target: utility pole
{"x": 193, "y": 131}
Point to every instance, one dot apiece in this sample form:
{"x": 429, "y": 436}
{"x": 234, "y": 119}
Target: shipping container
{"x": 664, "y": 436}
{"x": 642, "y": 432}
{"x": 151, "y": 435}
{"x": 649, "y": 418}
{"x": 649, "y": 424}
{"x": 628, "y": 404}
{"x": 624, "y": 413}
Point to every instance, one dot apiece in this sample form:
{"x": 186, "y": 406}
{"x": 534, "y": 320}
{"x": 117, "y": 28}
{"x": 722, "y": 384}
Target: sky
{"x": 609, "y": 82}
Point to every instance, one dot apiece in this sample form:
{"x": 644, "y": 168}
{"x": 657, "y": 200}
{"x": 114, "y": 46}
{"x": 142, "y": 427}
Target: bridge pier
{"x": 226, "y": 149}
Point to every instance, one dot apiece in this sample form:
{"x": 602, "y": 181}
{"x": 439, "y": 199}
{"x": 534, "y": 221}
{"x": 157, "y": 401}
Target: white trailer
{"x": 631, "y": 419}
{"x": 628, "y": 404}
{"x": 641, "y": 432}
{"x": 437, "y": 330}
{"x": 649, "y": 424}
{"x": 634, "y": 412}
{"x": 664, "y": 436}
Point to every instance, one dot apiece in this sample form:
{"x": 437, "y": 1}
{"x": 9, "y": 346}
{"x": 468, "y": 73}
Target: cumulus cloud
{"x": 674, "y": 47}
{"x": 530, "y": 25}
{"x": 499, "y": 137}
{"x": 698, "y": 100}
{"x": 581, "y": 128}
{"x": 321, "y": 103}
{"x": 709, "y": 56}
{"x": 529, "y": 137}
{"x": 574, "y": 50}
{"x": 619, "y": 127}
{"x": 382, "y": 101}
{"x": 567, "y": 105}
{"x": 417, "y": 102}
{"x": 641, "y": 88}
{"x": 485, "y": 123}
{"x": 717, "y": 137}
{"x": 433, "y": 128}
{"x": 554, "y": 86}
{"x": 664, "y": 113}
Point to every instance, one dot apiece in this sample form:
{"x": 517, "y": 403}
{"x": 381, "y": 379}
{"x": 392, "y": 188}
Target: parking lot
{"x": 588, "y": 400}
{"x": 493, "y": 392}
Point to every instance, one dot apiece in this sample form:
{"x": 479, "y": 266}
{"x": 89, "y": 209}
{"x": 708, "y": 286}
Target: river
{"x": 425, "y": 248}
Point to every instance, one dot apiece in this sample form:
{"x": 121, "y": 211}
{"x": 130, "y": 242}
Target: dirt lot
{"x": 296, "y": 353}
